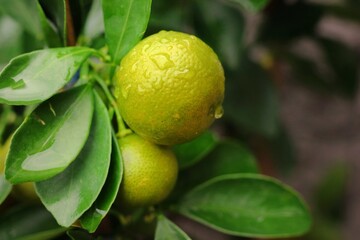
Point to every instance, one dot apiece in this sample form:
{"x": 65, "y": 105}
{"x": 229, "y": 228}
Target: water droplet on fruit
{"x": 216, "y": 112}
{"x": 134, "y": 67}
{"x": 219, "y": 112}
{"x": 145, "y": 48}
{"x": 162, "y": 61}
{"x": 181, "y": 72}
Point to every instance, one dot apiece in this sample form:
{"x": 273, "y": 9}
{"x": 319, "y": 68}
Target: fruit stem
{"x": 122, "y": 130}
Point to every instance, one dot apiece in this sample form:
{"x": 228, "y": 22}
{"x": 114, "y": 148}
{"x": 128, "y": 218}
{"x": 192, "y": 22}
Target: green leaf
{"x": 34, "y": 77}
{"x": 56, "y": 12}
{"x": 5, "y": 188}
{"x": 79, "y": 13}
{"x": 94, "y": 25}
{"x": 28, "y": 223}
{"x": 247, "y": 205}
{"x": 50, "y": 32}
{"x": 51, "y": 137}
{"x": 69, "y": 194}
{"x": 10, "y": 41}
{"x": 125, "y": 24}
{"x": 222, "y": 27}
{"x": 165, "y": 230}
{"x": 92, "y": 217}
{"x": 226, "y": 158}
{"x": 251, "y": 102}
{"x": 251, "y": 5}
{"x": 25, "y": 12}
{"x": 191, "y": 152}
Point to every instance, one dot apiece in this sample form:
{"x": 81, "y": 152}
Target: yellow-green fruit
{"x": 150, "y": 172}
{"x": 23, "y": 191}
{"x": 170, "y": 87}
{"x": 3, "y": 152}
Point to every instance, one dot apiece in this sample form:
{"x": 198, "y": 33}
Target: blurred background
{"x": 292, "y": 73}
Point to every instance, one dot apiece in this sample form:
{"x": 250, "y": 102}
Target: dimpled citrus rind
{"x": 150, "y": 172}
{"x": 170, "y": 87}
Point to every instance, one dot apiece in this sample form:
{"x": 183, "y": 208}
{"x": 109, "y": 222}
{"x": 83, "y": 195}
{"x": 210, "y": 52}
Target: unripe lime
{"x": 150, "y": 172}
{"x": 170, "y": 87}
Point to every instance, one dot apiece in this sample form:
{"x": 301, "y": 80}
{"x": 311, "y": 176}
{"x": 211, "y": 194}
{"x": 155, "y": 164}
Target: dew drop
{"x": 181, "y": 72}
{"x": 216, "y": 112}
{"x": 134, "y": 67}
{"x": 145, "y": 48}
{"x": 219, "y": 112}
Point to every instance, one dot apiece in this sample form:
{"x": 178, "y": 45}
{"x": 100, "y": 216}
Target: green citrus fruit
{"x": 23, "y": 191}
{"x": 3, "y": 152}
{"x": 170, "y": 87}
{"x": 150, "y": 172}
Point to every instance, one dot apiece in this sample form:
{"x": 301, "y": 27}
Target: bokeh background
{"x": 292, "y": 96}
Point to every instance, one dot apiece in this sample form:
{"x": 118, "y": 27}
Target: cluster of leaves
{"x": 65, "y": 138}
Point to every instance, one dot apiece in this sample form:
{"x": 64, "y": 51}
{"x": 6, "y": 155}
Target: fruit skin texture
{"x": 170, "y": 87}
{"x": 150, "y": 172}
